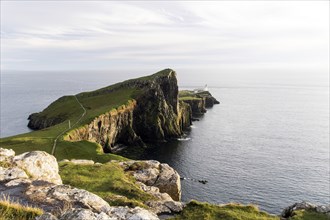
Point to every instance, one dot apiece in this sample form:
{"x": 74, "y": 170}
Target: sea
{"x": 267, "y": 143}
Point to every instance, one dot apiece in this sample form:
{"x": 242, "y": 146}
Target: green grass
{"x": 109, "y": 181}
{"x": 14, "y": 211}
{"x": 189, "y": 98}
{"x": 205, "y": 211}
{"x": 308, "y": 215}
{"x": 188, "y": 95}
{"x": 184, "y": 93}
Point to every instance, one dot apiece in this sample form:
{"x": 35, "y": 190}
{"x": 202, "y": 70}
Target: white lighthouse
{"x": 205, "y": 88}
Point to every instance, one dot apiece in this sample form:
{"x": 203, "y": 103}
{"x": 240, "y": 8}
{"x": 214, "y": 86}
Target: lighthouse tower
{"x": 205, "y": 88}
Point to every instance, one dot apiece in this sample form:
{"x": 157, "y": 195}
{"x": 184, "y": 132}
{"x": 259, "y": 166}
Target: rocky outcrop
{"x": 153, "y": 173}
{"x": 30, "y": 179}
{"x": 164, "y": 204}
{"x": 289, "y": 211}
{"x": 36, "y": 165}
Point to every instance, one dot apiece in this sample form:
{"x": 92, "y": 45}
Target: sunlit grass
{"x": 109, "y": 181}
{"x": 15, "y": 211}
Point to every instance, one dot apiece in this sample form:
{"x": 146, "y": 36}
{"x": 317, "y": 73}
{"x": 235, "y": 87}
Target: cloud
{"x": 93, "y": 35}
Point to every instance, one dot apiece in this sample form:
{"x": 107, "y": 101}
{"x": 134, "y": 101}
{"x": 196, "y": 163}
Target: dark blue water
{"x": 266, "y": 144}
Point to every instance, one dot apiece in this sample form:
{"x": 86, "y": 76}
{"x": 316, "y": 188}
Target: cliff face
{"x": 197, "y": 106}
{"x": 155, "y": 114}
{"x": 115, "y": 126}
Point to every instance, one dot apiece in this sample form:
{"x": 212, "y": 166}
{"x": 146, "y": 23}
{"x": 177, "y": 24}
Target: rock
{"x": 153, "y": 173}
{"x": 136, "y": 213}
{"x": 46, "y": 216}
{"x": 323, "y": 209}
{"x": 7, "y": 152}
{"x": 288, "y": 212}
{"x": 85, "y": 214}
{"x": 11, "y": 173}
{"x": 39, "y": 165}
{"x": 82, "y": 162}
{"x": 17, "y": 182}
{"x": 147, "y": 176}
{"x": 63, "y": 196}
{"x": 169, "y": 181}
{"x": 6, "y": 155}
{"x": 164, "y": 204}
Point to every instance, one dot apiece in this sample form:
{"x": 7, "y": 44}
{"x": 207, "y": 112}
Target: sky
{"x": 102, "y": 35}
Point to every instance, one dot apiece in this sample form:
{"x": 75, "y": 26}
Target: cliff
{"x": 130, "y": 113}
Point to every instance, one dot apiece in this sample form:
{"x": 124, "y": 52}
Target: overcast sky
{"x": 89, "y": 35}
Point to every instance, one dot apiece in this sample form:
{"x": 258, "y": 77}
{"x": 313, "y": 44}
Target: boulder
{"x": 153, "y": 173}
{"x": 164, "y": 204}
{"x": 169, "y": 181}
{"x": 39, "y": 165}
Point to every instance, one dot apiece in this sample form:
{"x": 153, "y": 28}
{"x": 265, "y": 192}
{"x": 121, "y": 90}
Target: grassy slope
{"x": 108, "y": 181}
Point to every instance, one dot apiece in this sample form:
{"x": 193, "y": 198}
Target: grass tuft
{"x": 15, "y": 211}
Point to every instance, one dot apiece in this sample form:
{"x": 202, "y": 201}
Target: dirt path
{"x": 58, "y": 136}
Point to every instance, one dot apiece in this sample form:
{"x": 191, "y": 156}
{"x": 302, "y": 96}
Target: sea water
{"x": 266, "y": 143}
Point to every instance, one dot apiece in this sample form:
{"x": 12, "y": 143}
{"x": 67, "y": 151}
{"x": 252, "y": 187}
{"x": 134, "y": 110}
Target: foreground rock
{"x": 39, "y": 165}
{"x": 115, "y": 213}
{"x": 289, "y": 211}
{"x": 32, "y": 179}
{"x": 153, "y": 173}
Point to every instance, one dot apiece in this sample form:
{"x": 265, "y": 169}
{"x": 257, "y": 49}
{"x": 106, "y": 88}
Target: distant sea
{"x": 267, "y": 143}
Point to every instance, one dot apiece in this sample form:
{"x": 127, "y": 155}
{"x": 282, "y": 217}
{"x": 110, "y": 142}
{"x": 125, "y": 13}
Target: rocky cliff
{"x": 147, "y": 110}
{"x": 109, "y": 129}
